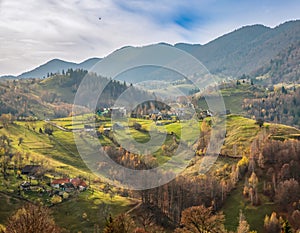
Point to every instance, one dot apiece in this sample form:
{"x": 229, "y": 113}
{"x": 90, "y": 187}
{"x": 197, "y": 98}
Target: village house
{"x": 57, "y": 183}
{"x": 69, "y": 185}
{"x": 79, "y": 184}
{"x": 31, "y": 170}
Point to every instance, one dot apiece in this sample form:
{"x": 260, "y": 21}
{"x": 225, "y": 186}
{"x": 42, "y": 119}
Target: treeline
{"x": 54, "y": 97}
{"x": 94, "y": 89}
{"x": 280, "y": 106}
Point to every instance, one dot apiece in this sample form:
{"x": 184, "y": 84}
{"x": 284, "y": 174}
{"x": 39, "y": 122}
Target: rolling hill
{"x": 57, "y": 66}
{"x": 54, "y": 96}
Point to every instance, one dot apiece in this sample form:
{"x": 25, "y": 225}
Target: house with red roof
{"x": 75, "y": 183}
{"x": 57, "y": 183}
{"x": 79, "y": 184}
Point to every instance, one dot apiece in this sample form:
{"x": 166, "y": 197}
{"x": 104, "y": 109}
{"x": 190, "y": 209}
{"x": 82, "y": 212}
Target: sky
{"x": 33, "y": 32}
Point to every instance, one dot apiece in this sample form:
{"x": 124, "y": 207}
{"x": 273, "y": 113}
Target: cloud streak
{"x": 33, "y": 32}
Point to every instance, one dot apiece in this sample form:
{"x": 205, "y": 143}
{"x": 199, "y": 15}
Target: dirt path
{"x": 134, "y": 208}
{"x": 9, "y": 196}
{"x": 58, "y": 126}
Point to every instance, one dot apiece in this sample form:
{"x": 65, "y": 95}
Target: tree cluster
{"x": 278, "y": 163}
{"x": 281, "y": 106}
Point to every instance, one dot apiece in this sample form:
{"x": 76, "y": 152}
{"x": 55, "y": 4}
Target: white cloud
{"x": 33, "y": 32}
{"x": 71, "y": 29}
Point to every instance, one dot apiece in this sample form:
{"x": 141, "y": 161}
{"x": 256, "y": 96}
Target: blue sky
{"x": 33, "y": 32}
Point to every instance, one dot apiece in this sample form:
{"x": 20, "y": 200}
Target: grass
{"x": 233, "y": 97}
{"x": 282, "y": 132}
{"x": 242, "y": 131}
{"x": 52, "y": 86}
{"x": 254, "y": 214}
{"x": 94, "y": 205}
{"x": 8, "y": 205}
{"x": 78, "y": 122}
{"x": 174, "y": 90}
{"x": 240, "y": 134}
{"x": 58, "y": 152}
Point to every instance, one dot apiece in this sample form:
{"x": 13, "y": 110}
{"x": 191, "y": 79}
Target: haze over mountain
{"x": 57, "y": 66}
{"x": 242, "y": 51}
{"x": 245, "y": 49}
{"x": 282, "y": 68}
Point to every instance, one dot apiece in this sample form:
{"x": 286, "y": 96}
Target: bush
{"x": 260, "y": 122}
{"x": 56, "y": 199}
{"x": 65, "y": 195}
{"x": 137, "y": 126}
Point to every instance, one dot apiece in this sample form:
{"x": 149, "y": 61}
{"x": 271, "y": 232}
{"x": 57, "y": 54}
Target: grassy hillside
{"x": 254, "y": 214}
{"x": 234, "y": 95}
{"x": 59, "y": 156}
{"x": 8, "y": 205}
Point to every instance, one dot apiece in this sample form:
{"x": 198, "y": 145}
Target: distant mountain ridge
{"x": 282, "y": 68}
{"x": 245, "y": 49}
{"x": 56, "y": 66}
{"x": 242, "y": 51}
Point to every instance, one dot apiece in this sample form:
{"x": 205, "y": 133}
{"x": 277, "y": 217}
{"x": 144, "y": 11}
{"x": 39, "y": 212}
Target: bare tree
{"x": 199, "y": 219}
{"x": 121, "y": 224}
{"x": 243, "y": 224}
{"x": 31, "y": 219}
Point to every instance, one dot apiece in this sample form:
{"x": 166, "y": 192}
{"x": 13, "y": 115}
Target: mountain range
{"x": 56, "y": 66}
{"x": 244, "y": 51}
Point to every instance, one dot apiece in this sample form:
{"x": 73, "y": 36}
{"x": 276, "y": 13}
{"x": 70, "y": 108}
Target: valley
{"x": 57, "y": 155}
{"x": 162, "y": 157}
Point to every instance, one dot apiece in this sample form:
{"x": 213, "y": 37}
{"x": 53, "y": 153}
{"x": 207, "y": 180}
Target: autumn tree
{"x": 6, "y": 119}
{"x": 101, "y": 129}
{"x": 199, "y": 219}
{"x": 242, "y": 166}
{"x": 30, "y": 219}
{"x": 272, "y": 224}
{"x": 146, "y": 219}
{"x": 243, "y": 224}
{"x": 287, "y": 192}
{"x": 286, "y": 227}
{"x": 253, "y": 192}
{"x": 4, "y": 154}
{"x": 120, "y": 224}
{"x": 295, "y": 219}
{"x": 17, "y": 160}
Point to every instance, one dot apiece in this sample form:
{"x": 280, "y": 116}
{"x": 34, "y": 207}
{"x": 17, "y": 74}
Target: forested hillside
{"x": 244, "y": 50}
{"x": 280, "y": 106}
{"x": 282, "y": 68}
{"x": 54, "y": 96}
